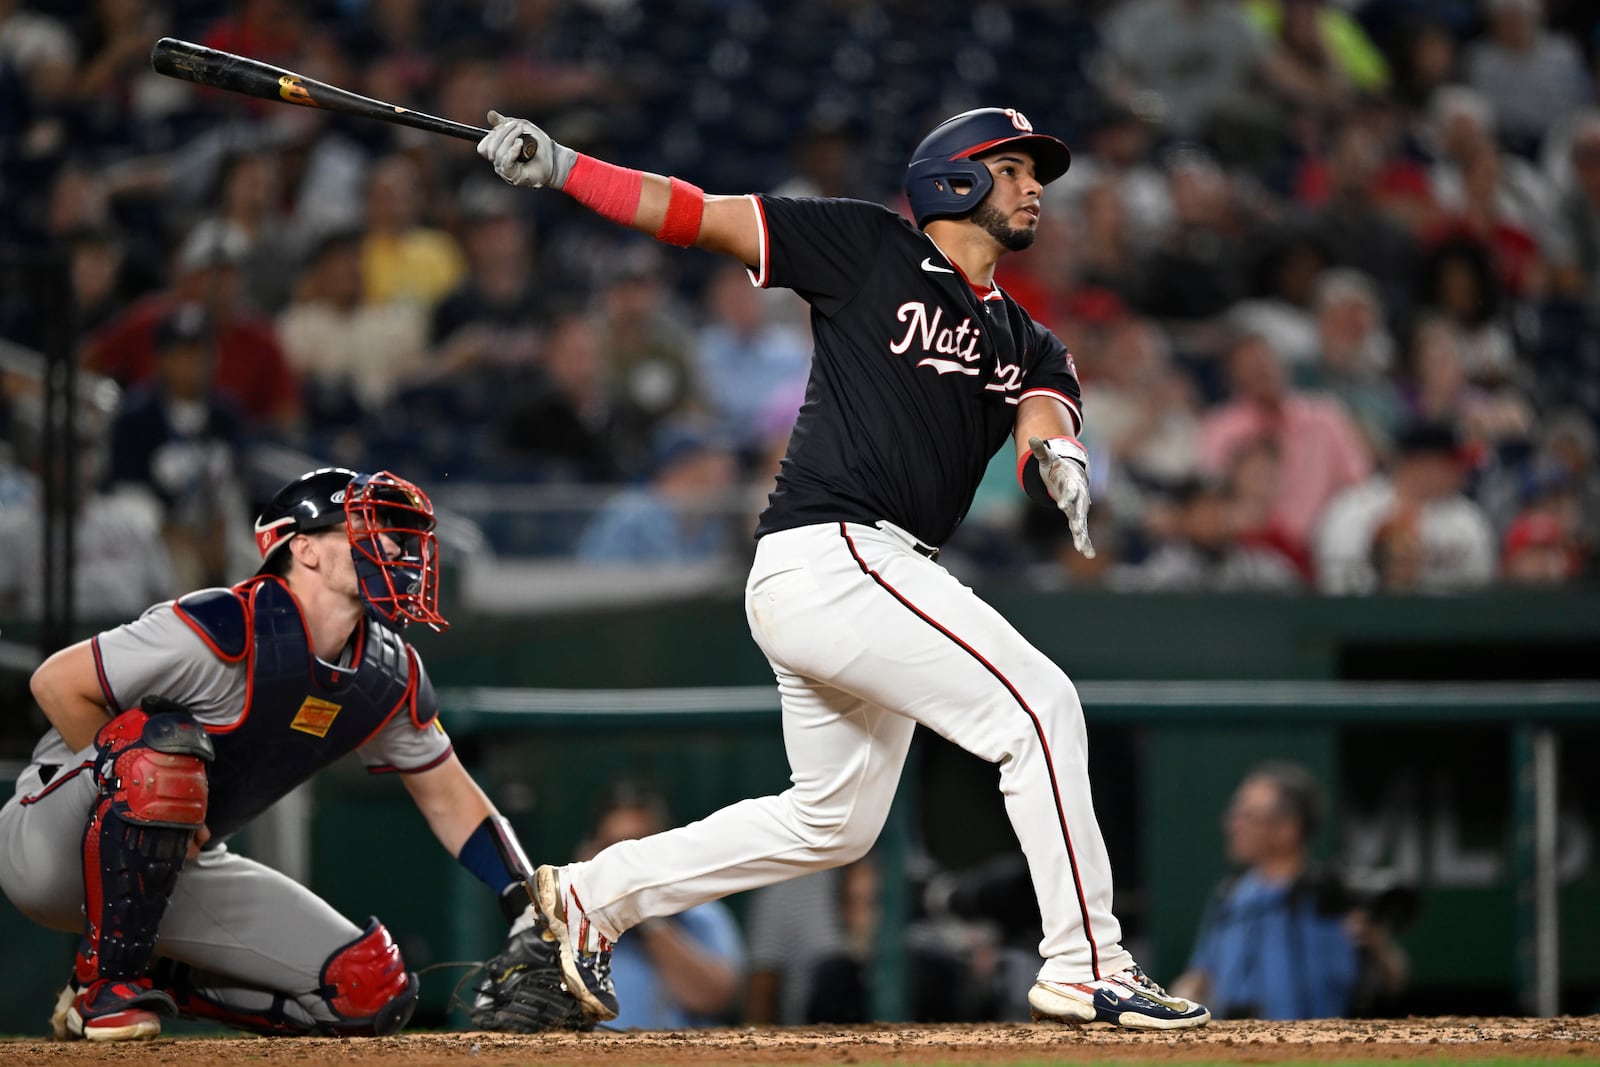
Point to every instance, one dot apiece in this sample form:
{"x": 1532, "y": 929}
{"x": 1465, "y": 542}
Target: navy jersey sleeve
{"x": 823, "y": 249}
{"x": 1051, "y": 372}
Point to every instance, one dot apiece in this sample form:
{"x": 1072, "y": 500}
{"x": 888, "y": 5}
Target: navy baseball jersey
{"x": 904, "y": 344}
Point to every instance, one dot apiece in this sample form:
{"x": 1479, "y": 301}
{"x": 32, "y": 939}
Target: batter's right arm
{"x": 67, "y": 687}
{"x": 668, "y": 209}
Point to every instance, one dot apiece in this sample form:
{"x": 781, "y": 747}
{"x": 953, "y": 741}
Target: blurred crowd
{"x": 1330, "y": 270}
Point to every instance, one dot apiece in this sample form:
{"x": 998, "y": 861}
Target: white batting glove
{"x": 1065, "y": 470}
{"x": 505, "y": 146}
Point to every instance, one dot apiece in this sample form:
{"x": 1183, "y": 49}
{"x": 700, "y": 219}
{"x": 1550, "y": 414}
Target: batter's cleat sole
{"x": 1128, "y": 999}
{"x": 112, "y": 1010}
{"x": 585, "y": 972}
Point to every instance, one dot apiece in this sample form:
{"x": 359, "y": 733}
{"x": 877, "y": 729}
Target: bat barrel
{"x": 239, "y": 74}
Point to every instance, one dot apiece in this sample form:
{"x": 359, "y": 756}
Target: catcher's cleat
{"x": 110, "y": 1010}
{"x": 585, "y": 954}
{"x": 1128, "y": 998}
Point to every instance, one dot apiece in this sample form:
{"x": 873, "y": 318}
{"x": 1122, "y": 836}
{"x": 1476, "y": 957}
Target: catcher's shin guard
{"x": 223, "y": 1000}
{"x": 260, "y": 1011}
{"x": 151, "y": 769}
{"x": 367, "y": 986}
{"x": 365, "y": 991}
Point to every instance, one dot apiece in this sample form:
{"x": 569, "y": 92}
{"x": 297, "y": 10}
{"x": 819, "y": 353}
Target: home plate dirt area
{"x": 1569, "y": 1040}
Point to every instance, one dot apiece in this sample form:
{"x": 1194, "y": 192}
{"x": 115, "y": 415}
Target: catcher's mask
{"x": 390, "y": 526}
{"x": 945, "y": 181}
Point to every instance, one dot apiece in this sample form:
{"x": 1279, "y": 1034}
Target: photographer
{"x": 1283, "y": 939}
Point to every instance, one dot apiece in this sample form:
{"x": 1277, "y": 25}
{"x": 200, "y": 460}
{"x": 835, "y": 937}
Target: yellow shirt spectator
{"x": 419, "y": 266}
{"x": 1358, "y": 59}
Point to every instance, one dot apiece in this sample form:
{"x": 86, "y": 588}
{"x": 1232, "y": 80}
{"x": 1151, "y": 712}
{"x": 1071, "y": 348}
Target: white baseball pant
{"x": 869, "y": 637}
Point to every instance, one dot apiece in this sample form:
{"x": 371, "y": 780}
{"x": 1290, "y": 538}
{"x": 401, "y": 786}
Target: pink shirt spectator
{"x": 1320, "y": 453}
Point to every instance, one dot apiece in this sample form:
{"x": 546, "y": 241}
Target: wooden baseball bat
{"x": 240, "y": 74}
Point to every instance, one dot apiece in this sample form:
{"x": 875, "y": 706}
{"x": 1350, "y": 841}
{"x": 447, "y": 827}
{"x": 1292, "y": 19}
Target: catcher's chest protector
{"x": 300, "y": 714}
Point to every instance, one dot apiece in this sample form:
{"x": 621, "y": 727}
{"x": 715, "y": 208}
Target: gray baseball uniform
{"x": 250, "y": 933}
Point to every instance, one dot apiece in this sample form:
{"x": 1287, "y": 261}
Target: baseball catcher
{"x": 172, "y": 732}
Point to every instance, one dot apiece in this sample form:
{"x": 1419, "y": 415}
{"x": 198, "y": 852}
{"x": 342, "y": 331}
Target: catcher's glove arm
{"x": 520, "y": 989}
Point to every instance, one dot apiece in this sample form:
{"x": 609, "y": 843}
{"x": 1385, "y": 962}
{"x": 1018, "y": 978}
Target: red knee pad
{"x": 153, "y": 767}
{"x": 160, "y": 789}
{"x": 367, "y": 979}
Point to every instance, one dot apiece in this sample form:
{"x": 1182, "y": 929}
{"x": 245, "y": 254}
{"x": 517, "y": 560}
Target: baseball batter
{"x": 923, "y": 368}
{"x": 172, "y": 732}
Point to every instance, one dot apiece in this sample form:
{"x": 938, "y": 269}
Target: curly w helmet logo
{"x": 1019, "y": 120}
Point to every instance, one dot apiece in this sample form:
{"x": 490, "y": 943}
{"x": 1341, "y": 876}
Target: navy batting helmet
{"x": 944, "y": 159}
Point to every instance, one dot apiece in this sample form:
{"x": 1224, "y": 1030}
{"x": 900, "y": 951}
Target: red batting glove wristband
{"x": 1032, "y": 481}
{"x": 614, "y": 192}
{"x": 685, "y": 209}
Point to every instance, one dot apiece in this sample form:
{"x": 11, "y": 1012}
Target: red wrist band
{"x": 1032, "y": 480}
{"x": 612, "y": 192}
{"x": 1022, "y": 467}
{"x": 684, "y": 210}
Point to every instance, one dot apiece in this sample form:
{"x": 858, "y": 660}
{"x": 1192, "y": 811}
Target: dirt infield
{"x": 1570, "y": 1039}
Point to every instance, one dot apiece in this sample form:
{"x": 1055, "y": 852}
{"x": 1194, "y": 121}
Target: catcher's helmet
{"x": 314, "y": 501}
{"x": 381, "y": 512}
{"x": 944, "y": 158}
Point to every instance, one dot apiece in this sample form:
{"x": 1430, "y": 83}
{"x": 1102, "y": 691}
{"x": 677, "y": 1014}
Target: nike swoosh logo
{"x": 948, "y": 366}
{"x": 929, "y": 266}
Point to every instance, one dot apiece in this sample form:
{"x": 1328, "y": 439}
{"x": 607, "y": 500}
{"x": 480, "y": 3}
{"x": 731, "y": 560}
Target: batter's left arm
{"x": 1052, "y": 465}
{"x": 1041, "y": 416}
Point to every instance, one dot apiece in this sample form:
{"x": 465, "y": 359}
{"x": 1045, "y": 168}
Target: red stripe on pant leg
{"x": 55, "y": 783}
{"x": 1038, "y": 728}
